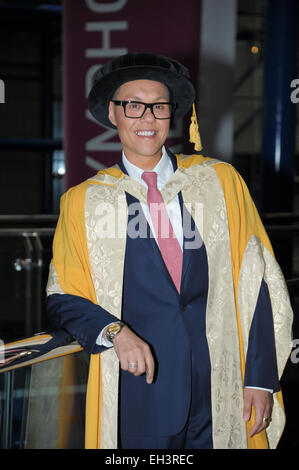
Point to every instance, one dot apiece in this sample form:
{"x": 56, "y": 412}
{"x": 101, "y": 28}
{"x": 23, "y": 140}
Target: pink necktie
{"x": 169, "y": 246}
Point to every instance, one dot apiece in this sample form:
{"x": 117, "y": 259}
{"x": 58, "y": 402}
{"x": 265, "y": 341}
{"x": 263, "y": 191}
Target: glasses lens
{"x": 160, "y": 110}
{"x": 134, "y": 110}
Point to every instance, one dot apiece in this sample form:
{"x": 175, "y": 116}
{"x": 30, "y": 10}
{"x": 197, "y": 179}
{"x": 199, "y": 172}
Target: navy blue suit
{"x": 175, "y": 410}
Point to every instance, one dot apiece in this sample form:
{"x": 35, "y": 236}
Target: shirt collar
{"x": 164, "y": 169}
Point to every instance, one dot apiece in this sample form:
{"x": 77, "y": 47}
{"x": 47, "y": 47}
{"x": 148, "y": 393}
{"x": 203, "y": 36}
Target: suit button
{"x": 183, "y": 307}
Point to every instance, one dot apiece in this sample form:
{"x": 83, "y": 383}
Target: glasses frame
{"x": 123, "y": 103}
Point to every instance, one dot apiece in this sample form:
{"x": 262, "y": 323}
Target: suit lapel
{"x": 186, "y": 252}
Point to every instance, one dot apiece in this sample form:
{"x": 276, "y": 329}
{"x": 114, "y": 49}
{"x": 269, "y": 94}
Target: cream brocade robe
{"x": 239, "y": 257}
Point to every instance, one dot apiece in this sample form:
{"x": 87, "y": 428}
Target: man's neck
{"x": 146, "y": 163}
{"x": 164, "y": 169}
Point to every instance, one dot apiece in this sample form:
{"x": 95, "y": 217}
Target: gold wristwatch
{"x": 113, "y": 330}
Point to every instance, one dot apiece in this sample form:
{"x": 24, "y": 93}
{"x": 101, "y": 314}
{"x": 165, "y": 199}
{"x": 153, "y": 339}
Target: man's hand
{"x": 134, "y": 354}
{"x": 262, "y": 402}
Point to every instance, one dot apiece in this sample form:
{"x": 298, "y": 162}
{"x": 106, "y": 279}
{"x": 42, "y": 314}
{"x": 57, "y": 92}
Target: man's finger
{"x": 132, "y": 366}
{"x": 141, "y": 367}
{"x": 258, "y": 421}
{"x": 149, "y": 368}
{"x": 247, "y": 407}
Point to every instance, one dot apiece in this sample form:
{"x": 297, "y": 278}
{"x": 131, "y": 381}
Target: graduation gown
{"x": 88, "y": 262}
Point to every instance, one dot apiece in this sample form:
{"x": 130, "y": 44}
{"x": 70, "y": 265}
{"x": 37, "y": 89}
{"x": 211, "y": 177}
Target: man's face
{"x": 140, "y": 147}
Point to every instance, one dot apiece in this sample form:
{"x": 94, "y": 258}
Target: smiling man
{"x": 187, "y": 341}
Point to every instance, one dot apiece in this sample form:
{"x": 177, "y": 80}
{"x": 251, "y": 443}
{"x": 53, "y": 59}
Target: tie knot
{"x": 150, "y": 177}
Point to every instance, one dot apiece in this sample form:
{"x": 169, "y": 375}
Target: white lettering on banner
{"x": 97, "y": 144}
{"x": 106, "y": 28}
{"x": 2, "y": 92}
{"x": 111, "y": 7}
{"x": 102, "y": 143}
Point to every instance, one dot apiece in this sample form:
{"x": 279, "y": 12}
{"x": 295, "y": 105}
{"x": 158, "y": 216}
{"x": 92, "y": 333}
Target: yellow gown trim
{"x": 239, "y": 203}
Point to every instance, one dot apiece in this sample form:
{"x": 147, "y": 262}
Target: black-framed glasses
{"x": 136, "y": 109}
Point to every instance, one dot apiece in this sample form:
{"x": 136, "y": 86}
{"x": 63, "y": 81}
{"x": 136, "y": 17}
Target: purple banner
{"x": 96, "y": 32}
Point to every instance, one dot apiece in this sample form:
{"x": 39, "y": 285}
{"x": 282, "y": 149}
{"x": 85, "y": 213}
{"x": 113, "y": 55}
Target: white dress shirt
{"x": 164, "y": 170}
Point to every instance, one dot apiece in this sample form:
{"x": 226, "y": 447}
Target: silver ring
{"x": 132, "y": 365}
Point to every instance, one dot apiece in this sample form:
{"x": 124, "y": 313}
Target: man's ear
{"x": 111, "y": 113}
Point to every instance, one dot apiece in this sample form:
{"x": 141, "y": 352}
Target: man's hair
{"x": 115, "y": 94}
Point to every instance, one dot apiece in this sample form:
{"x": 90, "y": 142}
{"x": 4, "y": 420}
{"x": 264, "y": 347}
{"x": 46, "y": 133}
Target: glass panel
{"x": 43, "y": 406}
{"x": 24, "y": 264}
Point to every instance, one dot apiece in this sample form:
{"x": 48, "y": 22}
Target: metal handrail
{"x": 28, "y": 218}
{"x": 284, "y": 229}
{"x": 33, "y": 232}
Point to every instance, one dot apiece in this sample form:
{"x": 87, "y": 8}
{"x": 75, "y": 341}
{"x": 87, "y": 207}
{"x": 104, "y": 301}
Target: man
{"x": 162, "y": 265}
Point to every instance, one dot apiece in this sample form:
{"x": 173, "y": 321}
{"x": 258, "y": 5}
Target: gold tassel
{"x": 194, "y": 132}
